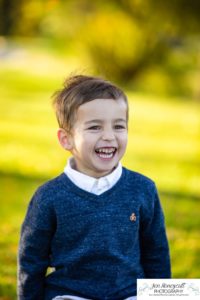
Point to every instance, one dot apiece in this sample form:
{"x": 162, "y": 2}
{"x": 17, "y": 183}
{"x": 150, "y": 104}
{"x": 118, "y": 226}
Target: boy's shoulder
{"x": 50, "y": 188}
{"x": 138, "y": 177}
{"x": 141, "y": 188}
{"x": 138, "y": 183}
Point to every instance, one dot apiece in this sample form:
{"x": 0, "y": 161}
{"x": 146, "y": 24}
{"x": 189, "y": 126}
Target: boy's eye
{"x": 120, "y": 126}
{"x": 95, "y": 127}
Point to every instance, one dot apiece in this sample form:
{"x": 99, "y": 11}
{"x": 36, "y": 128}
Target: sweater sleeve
{"x": 153, "y": 241}
{"x": 34, "y": 248}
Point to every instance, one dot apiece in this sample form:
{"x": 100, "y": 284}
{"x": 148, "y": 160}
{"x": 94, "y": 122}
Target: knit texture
{"x": 98, "y": 244}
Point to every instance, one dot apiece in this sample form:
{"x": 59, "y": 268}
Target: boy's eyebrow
{"x": 93, "y": 121}
{"x": 120, "y": 120}
{"x": 100, "y": 121}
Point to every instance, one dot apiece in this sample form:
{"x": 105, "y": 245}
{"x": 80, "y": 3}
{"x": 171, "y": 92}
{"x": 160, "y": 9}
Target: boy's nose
{"x": 108, "y": 135}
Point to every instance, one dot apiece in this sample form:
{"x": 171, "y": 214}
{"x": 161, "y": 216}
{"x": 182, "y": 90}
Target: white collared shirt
{"x": 90, "y": 184}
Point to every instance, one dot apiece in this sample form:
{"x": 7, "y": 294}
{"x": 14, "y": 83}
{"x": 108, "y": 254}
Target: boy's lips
{"x": 106, "y": 152}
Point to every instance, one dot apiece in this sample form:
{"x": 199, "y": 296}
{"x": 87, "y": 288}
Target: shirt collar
{"x": 93, "y": 185}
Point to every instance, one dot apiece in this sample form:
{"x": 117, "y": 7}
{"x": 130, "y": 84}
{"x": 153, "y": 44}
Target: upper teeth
{"x": 106, "y": 150}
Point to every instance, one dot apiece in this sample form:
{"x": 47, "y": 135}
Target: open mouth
{"x": 106, "y": 152}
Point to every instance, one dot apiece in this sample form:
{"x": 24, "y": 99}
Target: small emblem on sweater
{"x": 133, "y": 217}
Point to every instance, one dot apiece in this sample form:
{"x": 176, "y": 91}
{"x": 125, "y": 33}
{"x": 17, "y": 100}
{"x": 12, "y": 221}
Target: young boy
{"x": 98, "y": 225}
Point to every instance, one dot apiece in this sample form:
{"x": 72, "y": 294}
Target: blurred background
{"x": 151, "y": 49}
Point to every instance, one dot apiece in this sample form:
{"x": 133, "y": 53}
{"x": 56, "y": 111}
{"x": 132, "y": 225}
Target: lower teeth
{"x": 106, "y": 155}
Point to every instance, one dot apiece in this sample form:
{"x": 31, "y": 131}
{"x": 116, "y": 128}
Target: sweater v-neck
{"x": 83, "y": 193}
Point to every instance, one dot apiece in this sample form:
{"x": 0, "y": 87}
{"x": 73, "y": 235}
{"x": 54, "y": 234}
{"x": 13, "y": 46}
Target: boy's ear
{"x": 64, "y": 139}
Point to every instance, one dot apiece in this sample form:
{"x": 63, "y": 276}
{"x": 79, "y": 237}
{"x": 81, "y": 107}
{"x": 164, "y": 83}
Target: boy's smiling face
{"x": 99, "y": 136}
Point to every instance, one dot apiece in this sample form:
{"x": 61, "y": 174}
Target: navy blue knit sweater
{"x": 98, "y": 245}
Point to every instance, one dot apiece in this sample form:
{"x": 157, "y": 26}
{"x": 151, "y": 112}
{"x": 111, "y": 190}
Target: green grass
{"x": 164, "y": 144}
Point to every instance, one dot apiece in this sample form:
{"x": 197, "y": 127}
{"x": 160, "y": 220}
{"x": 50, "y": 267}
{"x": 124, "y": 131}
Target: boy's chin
{"x": 101, "y": 172}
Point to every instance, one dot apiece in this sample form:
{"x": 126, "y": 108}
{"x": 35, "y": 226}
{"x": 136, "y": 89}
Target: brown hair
{"x": 78, "y": 90}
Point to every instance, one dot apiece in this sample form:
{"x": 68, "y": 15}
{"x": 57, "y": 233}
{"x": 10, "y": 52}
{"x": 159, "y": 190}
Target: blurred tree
{"x": 183, "y": 14}
{"x": 120, "y": 46}
{"x": 10, "y": 12}
{"x": 123, "y": 39}
{"x": 21, "y": 17}
{"x": 126, "y": 38}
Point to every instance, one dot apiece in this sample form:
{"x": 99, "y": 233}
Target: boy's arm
{"x": 34, "y": 249}
{"x": 154, "y": 245}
